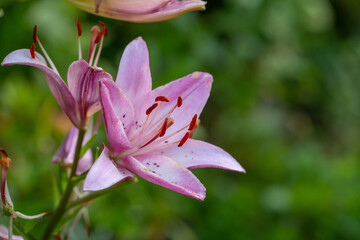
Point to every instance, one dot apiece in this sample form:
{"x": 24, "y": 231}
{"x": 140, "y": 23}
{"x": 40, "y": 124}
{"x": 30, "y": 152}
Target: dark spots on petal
{"x": 162, "y": 152}
{"x": 166, "y": 141}
{"x": 192, "y": 152}
{"x": 124, "y": 116}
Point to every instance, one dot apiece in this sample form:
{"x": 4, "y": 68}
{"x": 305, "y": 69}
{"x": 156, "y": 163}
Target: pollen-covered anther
{"x": 5, "y": 160}
{"x": 196, "y": 125}
{"x": 34, "y": 34}
{"x": 32, "y": 51}
{"x": 192, "y": 123}
{"x": 162, "y": 99}
{"x": 151, "y": 108}
{"x": 179, "y": 102}
{"x": 78, "y": 25}
{"x": 167, "y": 123}
{"x": 184, "y": 139}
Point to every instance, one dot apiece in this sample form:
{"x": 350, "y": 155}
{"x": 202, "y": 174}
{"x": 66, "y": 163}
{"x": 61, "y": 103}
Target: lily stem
{"x": 60, "y": 209}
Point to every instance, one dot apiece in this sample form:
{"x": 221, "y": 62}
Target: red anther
{"x": 34, "y": 34}
{"x": 3, "y": 152}
{"x": 196, "y": 125}
{"x": 78, "y": 25}
{"x": 32, "y": 50}
{"x": 164, "y": 127}
{"x": 101, "y": 23}
{"x": 150, "y": 109}
{"x": 193, "y": 122}
{"x": 179, "y": 102}
{"x": 162, "y": 99}
{"x": 98, "y": 37}
{"x": 105, "y": 29}
{"x": 184, "y": 139}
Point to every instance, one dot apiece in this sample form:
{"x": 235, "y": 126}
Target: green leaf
{"x": 87, "y": 145}
{"x": 66, "y": 219}
{"x": 30, "y": 224}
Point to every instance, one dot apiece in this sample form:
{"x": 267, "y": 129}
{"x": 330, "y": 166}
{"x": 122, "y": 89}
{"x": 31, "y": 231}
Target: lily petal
{"x": 198, "y": 154}
{"x": 66, "y": 152}
{"x": 194, "y": 89}
{"x": 140, "y": 10}
{"x": 4, "y": 234}
{"x": 167, "y": 173}
{"x": 134, "y": 76}
{"x": 104, "y": 173}
{"x": 117, "y": 110}
{"x": 56, "y": 84}
{"x": 83, "y": 84}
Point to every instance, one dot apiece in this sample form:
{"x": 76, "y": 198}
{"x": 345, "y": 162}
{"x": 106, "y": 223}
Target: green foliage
{"x": 284, "y": 103}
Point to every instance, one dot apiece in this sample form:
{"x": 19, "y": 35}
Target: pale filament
{"x": 80, "y": 52}
{"x": 92, "y": 55}
{"x": 152, "y": 145}
{"x": 47, "y": 56}
{"x": 99, "y": 51}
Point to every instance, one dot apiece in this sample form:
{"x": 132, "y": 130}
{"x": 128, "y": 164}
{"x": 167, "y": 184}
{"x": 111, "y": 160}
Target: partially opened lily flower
{"x": 148, "y": 131}
{"x": 139, "y": 10}
{"x": 80, "y": 99}
{"x": 66, "y": 151}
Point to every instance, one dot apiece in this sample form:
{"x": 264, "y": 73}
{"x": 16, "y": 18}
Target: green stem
{"x": 98, "y": 193}
{"x": 10, "y": 229}
{"x": 60, "y": 210}
{"x": 19, "y": 227}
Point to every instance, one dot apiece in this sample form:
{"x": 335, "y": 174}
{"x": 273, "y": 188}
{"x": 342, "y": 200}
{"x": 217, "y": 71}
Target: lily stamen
{"x": 78, "y": 25}
{"x": 103, "y": 34}
{"x": 37, "y": 40}
{"x": 184, "y": 139}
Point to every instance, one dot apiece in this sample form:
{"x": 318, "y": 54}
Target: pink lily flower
{"x": 66, "y": 152}
{"x": 139, "y": 10}
{"x": 148, "y": 130}
{"x": 80, "y": 99}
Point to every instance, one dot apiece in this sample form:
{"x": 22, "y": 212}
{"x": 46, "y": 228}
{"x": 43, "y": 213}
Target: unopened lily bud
{"x": 139, "y": 10}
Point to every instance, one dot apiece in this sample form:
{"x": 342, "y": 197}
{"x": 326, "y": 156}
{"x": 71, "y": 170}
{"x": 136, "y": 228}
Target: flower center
{"x": 153, "y": 135}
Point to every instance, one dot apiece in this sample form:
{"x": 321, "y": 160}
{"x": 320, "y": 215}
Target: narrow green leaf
{"x": 87, "y": 145}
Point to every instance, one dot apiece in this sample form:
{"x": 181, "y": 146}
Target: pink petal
{"x": 134, "y": 76}
{"x": 132, "y": 6}
{"x": 167, "y": 173}
{"x": 66, "y": 152}
{"x": 83, "y": 84}
{"x": 194, "y": 89}
{"x": 104, "y": 173}
{"x": 144, "y": 12}
{"x": 4, "y": 234}
{"x": 118, "y": 115}
{"x": 56, "y": 84}
{"x": 198, "y": 154}
{"x": 84, "y": 163}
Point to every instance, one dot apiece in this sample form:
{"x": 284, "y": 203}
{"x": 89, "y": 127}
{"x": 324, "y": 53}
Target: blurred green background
{"x": 284, "y": 103}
